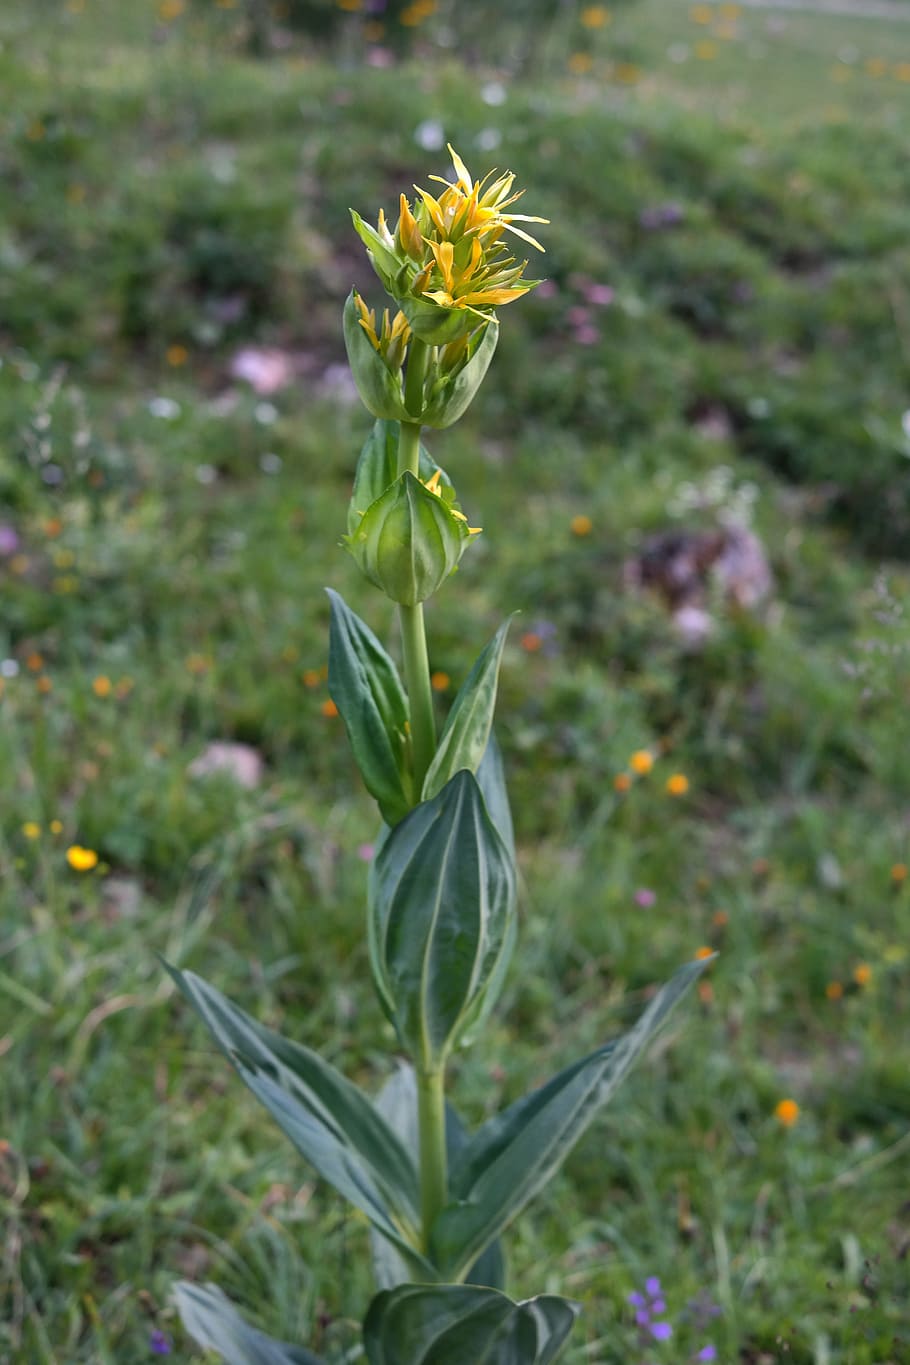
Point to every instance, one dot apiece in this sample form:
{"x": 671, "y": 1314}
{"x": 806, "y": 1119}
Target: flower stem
{"x": 413, "y": 633}
{"x": 431, "y": 1120}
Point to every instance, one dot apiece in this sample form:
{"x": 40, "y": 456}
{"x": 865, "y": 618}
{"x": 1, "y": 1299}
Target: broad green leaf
{"x": 409, "y": 541}
{"x": 516, "y": 1153}
{"x": 213, "y": 1321}
{"x": 328, "y": 1119}
{"x": 491, "y": 779}
{"x": 377, "y": 467}
{"x": 458, "y": 389}
{"x": 442, "y": 896}
{"x": 364, "y": 685}
{"x": 464, "y": 1325}
{"x": 380, "y": 390}
{"x": 463, "y": 741}
{"x": 397, "y": 1103}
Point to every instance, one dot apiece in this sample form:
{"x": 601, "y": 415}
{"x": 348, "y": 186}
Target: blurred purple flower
{"x": 600, "y": 294}
{"x": 159, "y": 1344}
{"x": 708, "y": 1352}
{"x": 365, "y": 852}
{"x": 647, "y": 1307}
{"x": 546, "y": 289}
{"x": 9, "y": 540}
{"x": 645, "y": 897}
{"x": 661, "y": 216}
{"x": 586, "y": 335}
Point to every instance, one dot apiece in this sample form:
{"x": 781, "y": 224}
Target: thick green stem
{"x": 413, "y": 633}
{"x": 431, "y": 1118}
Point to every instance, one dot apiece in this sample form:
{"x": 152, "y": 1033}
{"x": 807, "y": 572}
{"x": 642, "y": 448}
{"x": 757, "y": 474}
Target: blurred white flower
{"x": 430, "y": 135}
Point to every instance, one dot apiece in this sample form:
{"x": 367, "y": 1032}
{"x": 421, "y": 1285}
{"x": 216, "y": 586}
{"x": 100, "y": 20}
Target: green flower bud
{"x": 378, "y": 382}
{"x": 410, "y": 540}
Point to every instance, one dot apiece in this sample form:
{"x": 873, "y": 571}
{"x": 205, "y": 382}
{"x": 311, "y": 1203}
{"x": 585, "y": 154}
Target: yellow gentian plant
{"x": 441, "y": 915}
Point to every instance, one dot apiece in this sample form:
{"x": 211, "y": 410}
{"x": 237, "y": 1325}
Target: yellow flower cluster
{"x": 450, "y": 244}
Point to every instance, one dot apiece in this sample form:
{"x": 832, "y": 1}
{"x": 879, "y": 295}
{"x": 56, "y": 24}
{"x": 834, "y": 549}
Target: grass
{"x": 168, "y": 198}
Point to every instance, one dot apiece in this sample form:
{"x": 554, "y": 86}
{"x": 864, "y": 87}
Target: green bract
{"x": 442, "y": 902}
{"x": 409, "y": 541}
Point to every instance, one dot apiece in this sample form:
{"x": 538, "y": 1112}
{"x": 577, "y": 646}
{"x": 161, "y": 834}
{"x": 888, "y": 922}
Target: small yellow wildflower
{"x": 627, "y": 73}
{"x": 439, "y": 681}
{"x": 701, "y": 14}
{"x": 706, "y": 50}
{"x": 580, "y": 63}
{"x": 329, "y": 709}
{"x": 703, "y": 952}
{"x": 31, "y": 829}
{"x": 44, "y": 684}
{"x": 170, "y": 9}
{"x": 834, "y": 990}
{"x": 899, "y": 873}
{"x": 176, "y": 356}
{"x": 595, "y": 16}
{"x": 786, "y": 1112}
{"x": 311, "y": 677}
{"x": 902, "y": 71}
{"x": 641, "y": 762}
{"x": 730, "y": 11}
{"x": 875, "y": 66}
{"x": 581, "y": 525}
{"x": 622, "y": 782}
{"x": 102, "y": 686}
{"x": 677, "y": 784}
{"x": 81, "y": 859}
{"x": 56, "y": 827}
{"x": 862, "y": 974}
{"x": 34, "y": 662}
{"x": 198, "y": 663}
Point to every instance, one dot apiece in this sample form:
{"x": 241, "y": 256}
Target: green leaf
{"x": 453, "y": 1324}
{"x": 458, "y": 389}
{"x": 377, "y": 468}
{"x": 397, "y": 1103}
{"x": 380, "y": 390}
{"x": 516, "y": 1153}
{"x": 364, "y": 685}
{"x": 442, "y": 897}
{"x": 491, "y": 779}
{"x": 409, "y": 541}
{"x": 463, "y": 742}
{"x": 213, "y": 1321}
{"x": 328, "y": 1119}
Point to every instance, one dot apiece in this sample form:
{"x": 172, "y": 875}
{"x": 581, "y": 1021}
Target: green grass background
{"x": 163, "y": 188}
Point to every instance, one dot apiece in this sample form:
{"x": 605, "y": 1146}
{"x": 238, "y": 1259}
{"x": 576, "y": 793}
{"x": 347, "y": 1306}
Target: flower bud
{"x": 409, "y": 540}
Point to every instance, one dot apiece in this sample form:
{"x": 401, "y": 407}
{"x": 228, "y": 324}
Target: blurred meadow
{"x": 717, "y": 370}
